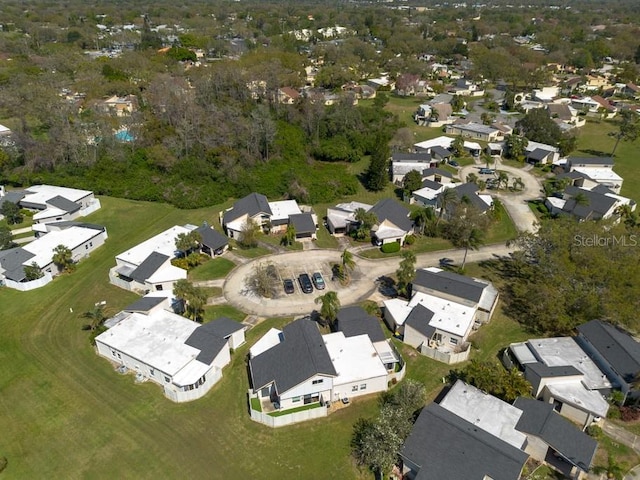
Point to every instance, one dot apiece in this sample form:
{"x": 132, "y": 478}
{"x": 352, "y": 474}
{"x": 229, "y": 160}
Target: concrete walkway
{"x": 621, "y": 435}
{"x": 23, "y": 239}
{"x": 19, "y": 231}
{"x": 362, "y": 286}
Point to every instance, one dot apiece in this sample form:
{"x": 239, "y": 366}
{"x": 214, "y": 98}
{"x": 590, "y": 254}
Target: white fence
{"x": 117, "y": 281}
{"x": 398, "y": 376}
{"x": 446, "y": 357}
{"x": 288, "y": 418}
{"x": 32, "y": 285}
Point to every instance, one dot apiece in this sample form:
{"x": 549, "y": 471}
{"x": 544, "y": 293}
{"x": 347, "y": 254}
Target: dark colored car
{"x": 305, "y": 283}
{"x": 288, "y": 286}
{"x": 318, "y": 281}
{"x": 453, "y": 163}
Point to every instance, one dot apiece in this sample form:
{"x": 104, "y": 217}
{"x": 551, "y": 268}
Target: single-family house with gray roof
{"x": 254, "y": 206}
{"x": 555, "y": 440}
{"x": 213, "y": 243}
{"x": 469, "y": 193}
{"x": 393, "y": 224}
{"x": 615, "y": 351}
{"x": 304, "y": 225}
{"x": 444, "y": 445}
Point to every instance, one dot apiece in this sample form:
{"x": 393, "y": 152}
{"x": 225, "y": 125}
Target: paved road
{"x": 514, "y": 202}
{"x": 362, "y": 286}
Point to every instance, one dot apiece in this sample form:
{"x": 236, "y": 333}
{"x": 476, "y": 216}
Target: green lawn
{"x": 422, "y": 245}
{"x": 594, "y": 140}
{"x": 276, "y": 240}
{"x": 212, "y": 269}
{"x": 215, "y": 311}
{"x": 502, "y": 230}
{"x": 254, "y": 252}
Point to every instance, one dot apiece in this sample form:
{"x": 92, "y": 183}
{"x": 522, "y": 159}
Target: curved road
{"x": 514, "y": 202}
{"x": 362, "y": 285}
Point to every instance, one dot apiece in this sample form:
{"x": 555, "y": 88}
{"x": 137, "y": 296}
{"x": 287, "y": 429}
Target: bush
{"x": 3, "y": 463}
{"x": 410, "y": 239}
{"x": 629, "y": 414}
{"x": 391, "y": 247}
{"x": 614, "y": 413}
{"x": 594, "y": 431}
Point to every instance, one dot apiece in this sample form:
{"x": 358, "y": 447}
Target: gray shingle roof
{"x": 597, "y": 204}
{"x": 64, "y": 204}
{"x": 394, "y": 212}
{"x": 616, "y": 346}
{"x": 301, "y": 355}
{"x": 209, "y": 345}
{"x": 440, "y": 151}
{"x": 419, "y": 319}
{"x": 13, "y": 196}
{"x": 539, "y": 419}
{"x": 212, "y": 238}
{"x": 354, "y": 321}
{"x": 144, "y": 304}
{"x": 539, "y": 154}
{"x": 470, "y": 191}
{"x": 450, "y": 283}
{"x": 446, "y": 446}
{"x": 427, "y": 172}
{"x": 544, "y": 371}
{"x": 148, "y": 267}
{"x": 302, "y": 222}
{"x": 11, "y": 261}
{"x": 411, "y": 157}
{"x": 222, "y": 327}
{"x": 253, "y": 204}
{"x": 431, "y": 184}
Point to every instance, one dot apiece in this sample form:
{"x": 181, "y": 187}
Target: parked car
{"x": 288, "y": 286}
{"x": 453, "y": 163}
{"x": 305, "y": 283}
{"x": 487, "y": 171}
{"x": 318, "y": 281}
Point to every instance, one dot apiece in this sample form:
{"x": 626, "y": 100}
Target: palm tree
{"x": 446, "y": 199}
{"x": 330, "y": 304}
{"x": 581, "y": 199}
{"x": 503, "y": 178}
{"x": 96, "y": 316}
{"x": 473, "y": 241}
{"x": 62, "y": 257}
{"x": 348, "y": 262}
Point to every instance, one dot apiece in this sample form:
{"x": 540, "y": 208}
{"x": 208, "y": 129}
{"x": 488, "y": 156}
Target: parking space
{"x": 293, "y": 271}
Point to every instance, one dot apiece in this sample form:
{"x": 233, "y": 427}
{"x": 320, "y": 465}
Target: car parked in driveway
{"x": 487, "y": 171}
{"x": 305, "y": 283}
{"x": 453, "y": 163}
{"x": 288, "y": 286}
{"x": 318, "y": 281}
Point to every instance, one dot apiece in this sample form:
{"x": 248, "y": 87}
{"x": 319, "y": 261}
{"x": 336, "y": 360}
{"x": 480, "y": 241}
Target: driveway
{"x": 514, "y": 202}
{"x": 362, "y": 286}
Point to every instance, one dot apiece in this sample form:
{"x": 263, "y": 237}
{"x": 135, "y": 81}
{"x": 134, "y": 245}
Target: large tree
{"x": 537, "y": 126}
{"x": 194, "y": 299}
{"x": 466, "y": 227}
{"x": 6, "y": 238}
{"x": 571, "y": 272}
{"x": 412, "y": 181}
{"x": 11, "y": 212}
{"x": 377, "y": 175}
{"x": 628, "y": 128}
{"x": 406, "y": 272}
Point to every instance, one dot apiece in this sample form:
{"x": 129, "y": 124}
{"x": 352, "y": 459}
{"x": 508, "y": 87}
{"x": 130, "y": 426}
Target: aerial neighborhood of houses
{"x": 307, "y": 369}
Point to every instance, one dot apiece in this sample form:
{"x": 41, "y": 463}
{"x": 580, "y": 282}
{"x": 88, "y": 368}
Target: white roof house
{"x": 354, "y": 358}
{"x": 184, "y": 357}
{"x": 40, "y": 194}
{"x": 486, "y": 412}
{"x": 164, "y": 243}
{"x": 448, "y": 315}
{"x": 282, "y": 209}
{"x": 73, "y": 237}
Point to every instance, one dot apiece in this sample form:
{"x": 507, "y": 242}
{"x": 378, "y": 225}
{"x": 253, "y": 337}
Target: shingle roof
{"x": 252, "y": 205}
{"x": 544, "y": 371}
{"x": 64, "y": 204}
{"x": 212, "y": 238}
{"x": 411, "y": 157}
{"x": 616, "y": 346}
{"x": 354, "y": 321}
{"x": 209, "y": 345}
{"x": 539, "y": 154}
{"x": 11, "y": 261}
{"x": 431, "y": 184}
{"x": 222, "y": 327}
{"x": 470, "y": 191}
{"x": 144, "y": 304}
{"x": 302, "y": 222}
{"x": 148, "y": 266}
{"x": 13, "y": 196}
{"x": 301, "y": 355}
{"x": 427, "y": 172}
{"x": 446, "y": 446}
{"x": 596, "y": 206}
{"x": 419, "y": 319}
{"x": 562, "y": 111}
{"x": 440, "y": 151}
{"x": 450, "y": 283}
{"x": 539, "y": 419}
{"x": 391, "y": 210}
